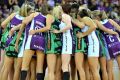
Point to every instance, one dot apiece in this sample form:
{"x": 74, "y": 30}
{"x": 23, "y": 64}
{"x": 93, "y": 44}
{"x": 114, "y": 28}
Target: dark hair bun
{"x": 83, "y": 13}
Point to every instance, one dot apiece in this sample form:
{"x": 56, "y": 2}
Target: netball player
{"x": 92, "y": 41}
{"x": 21, "y": 49}
{"x": 79, "y": 49}
{"x": 65, "y": 29}
{"x": 113, "y": 43}
{"x": 35, "y": 42}
{"x": 14, "y": 19}
{"x": 54, "y": 44}
{"x": 79, "y": 45}
{"x": 102, "y": 41}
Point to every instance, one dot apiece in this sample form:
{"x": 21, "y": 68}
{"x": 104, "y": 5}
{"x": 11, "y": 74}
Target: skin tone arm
{"x": 78, "y": 23}
{"x": 14, "y": 29}
{"x": 67, "y": 21}
{"x": 100, "y": 26}
{"x": 49, "y": 21}
{"x": 91, "y": 24}
{"x": 22, "y": 26}
{"x": 114, "y": 24}
{"x": 6, "y": 21}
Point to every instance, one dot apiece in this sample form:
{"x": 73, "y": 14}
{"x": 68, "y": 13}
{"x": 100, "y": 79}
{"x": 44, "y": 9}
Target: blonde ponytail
{"x": 103, "y": 15}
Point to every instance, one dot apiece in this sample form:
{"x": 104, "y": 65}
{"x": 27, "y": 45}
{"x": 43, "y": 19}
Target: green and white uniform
{"x": 54, "y": 41}
{"x": 4, "y": 36}
{"x": 101, "y": 42}
{"x": 10, "y": 50}
{"x": 80, "y": 44}
{"x": 10, "y": 41}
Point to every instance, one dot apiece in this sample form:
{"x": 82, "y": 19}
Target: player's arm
{"x": 78, "y": 23}
{"x": 22, "y": 26}
{"x": 7, "y": 20}
{"x": 49, "y": 21}
{"x": 92, "y": 26}
{"x": 100, "y": 26}
{"x": 114, "y": 24}
{"x": 67, "y": 20}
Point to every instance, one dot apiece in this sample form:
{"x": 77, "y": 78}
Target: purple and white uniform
{"x": 17, "y": 19}
{"x": 113, "y": 42}
{"x": 36, "y": 41}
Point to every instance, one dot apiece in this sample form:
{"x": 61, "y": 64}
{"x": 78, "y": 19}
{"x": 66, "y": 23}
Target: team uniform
{"x": 92, "y": 43}
{"x": 68, "y": 43}
{"x": 53, "y": 41}
{"x": 22, "y": 44}
{"x": 113, "y": 42}
{"x": 80, "y": 44}
{"x": 37, "y": 40}
{"x": 10, "y": 43}
{"x": 4, "y": 36}
{"x": 101, "y": 38}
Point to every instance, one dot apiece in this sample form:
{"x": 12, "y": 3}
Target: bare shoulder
{"x": 66, "y": 18}
{"x": 89, "y": 22}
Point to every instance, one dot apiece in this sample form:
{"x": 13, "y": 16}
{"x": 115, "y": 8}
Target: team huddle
{"x": 67, "y": 39}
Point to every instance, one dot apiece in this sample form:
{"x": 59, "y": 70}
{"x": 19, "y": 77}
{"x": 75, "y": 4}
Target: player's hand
{"x": 55, "y": 31}
{"x": 115, "y": 33}
{"x": 31, "y": 32}
{"x": 80, "y": 35}
{"x": 11, "y": 32}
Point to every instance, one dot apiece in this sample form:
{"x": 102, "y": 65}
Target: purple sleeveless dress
{"x": 17, "y": 19}
{"x": 36, "y": 41}
{"x": 113, "y": 42}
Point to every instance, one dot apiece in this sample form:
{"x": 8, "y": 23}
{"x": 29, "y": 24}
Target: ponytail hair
{"x": 26, "y": 7}
{"x": 96, "y": 13}
{"x": 56, "y": 12}
{"x": 21, "y": 12}
{"x": 103, "y": 15}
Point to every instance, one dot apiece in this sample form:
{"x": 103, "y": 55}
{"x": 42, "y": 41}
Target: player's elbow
{"x": 2, "y": 25}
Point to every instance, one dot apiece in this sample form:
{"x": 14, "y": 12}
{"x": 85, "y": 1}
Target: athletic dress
{"x": 102, "y": 42}
{"x": 22, "y": 43}
{"x": 92, "y": 43}
{"x": 113, "y": 42}
{"x": 10, "y": 42}
{"x": 54, "y": 41}
{"x": 37, "y": 40}
{"x": 4, "y": 36}
{"x": 80, "y": 45}
{"x": 68, "y": 43}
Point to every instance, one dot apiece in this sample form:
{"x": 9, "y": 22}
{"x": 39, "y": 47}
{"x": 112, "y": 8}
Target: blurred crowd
{"x": 112, "y": 7}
